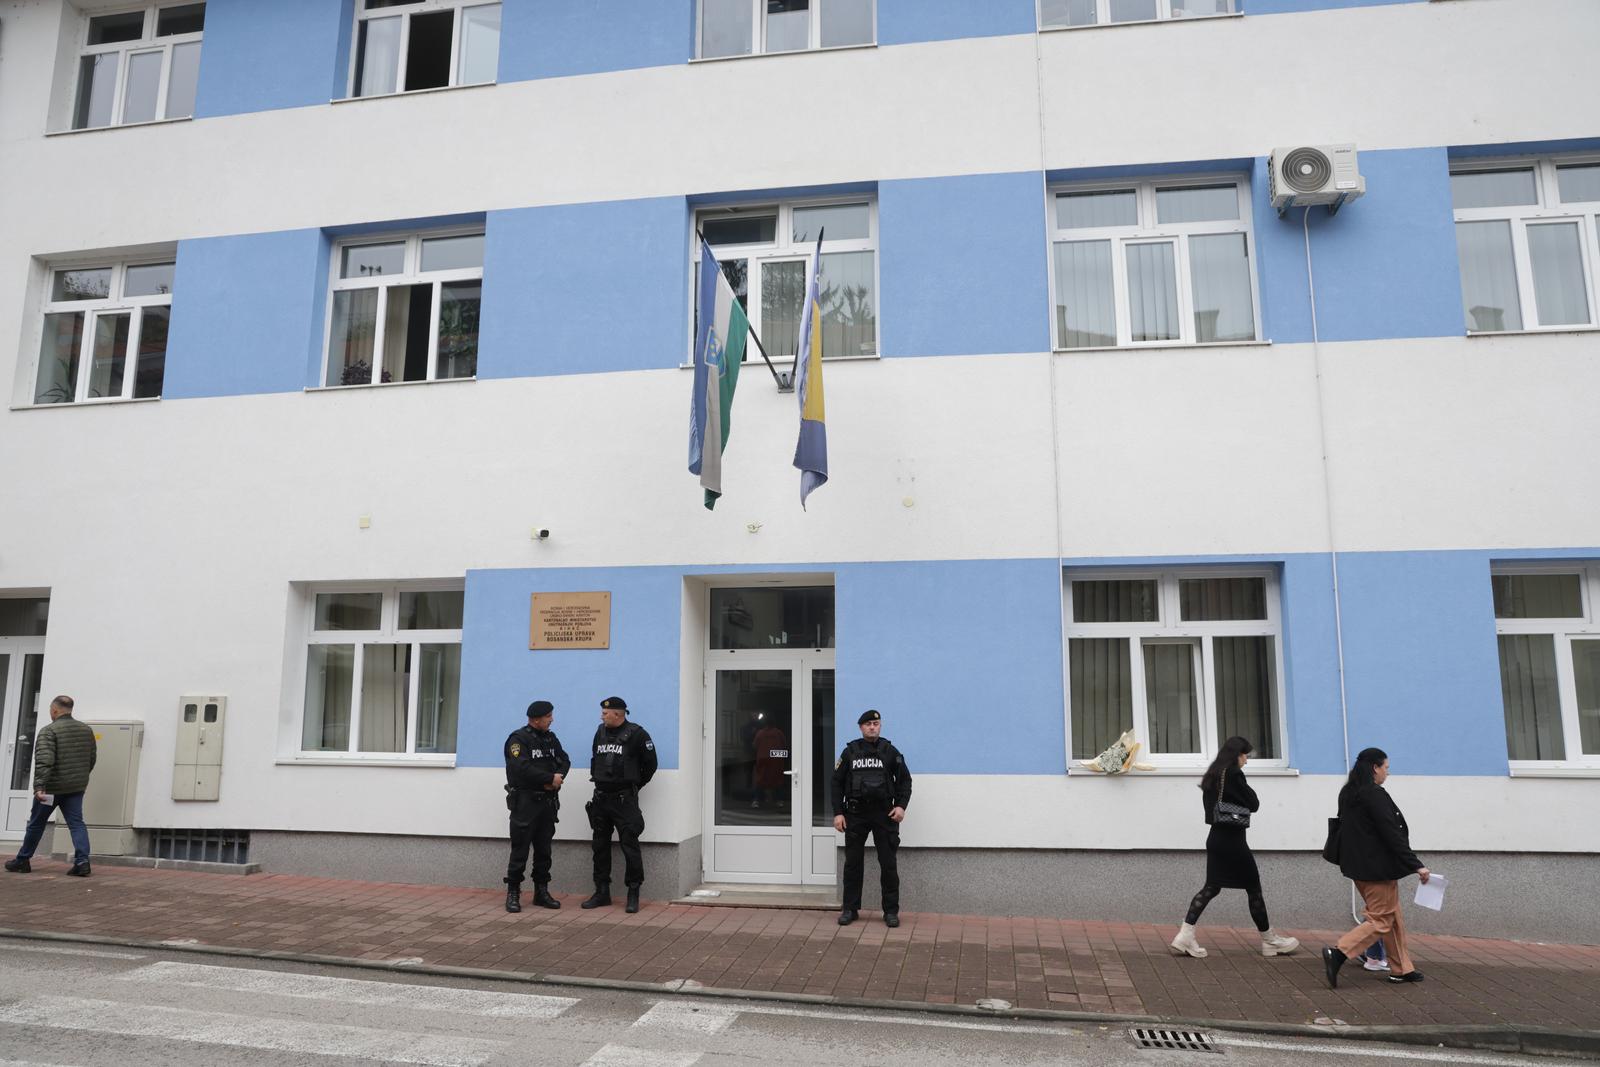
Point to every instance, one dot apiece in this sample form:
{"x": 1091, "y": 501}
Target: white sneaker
{"x": 1185, "y": 944}
{"x": 1374, "y": 965}
{"x": 1276, "y": 944}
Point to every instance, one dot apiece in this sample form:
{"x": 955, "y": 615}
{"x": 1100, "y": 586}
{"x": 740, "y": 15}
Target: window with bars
{"x": 105, "y": 332}
{"x": 141, "y": 65}
{"x": 1064, "y": 14}
{"x": 1185, "y": 659}
{"x": 752, "y": 27}
{"x": 1549, "y": 640}
{"x": 406, "y": 45}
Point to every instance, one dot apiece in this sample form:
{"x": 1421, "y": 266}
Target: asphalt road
{"x": 88, "y": 1006}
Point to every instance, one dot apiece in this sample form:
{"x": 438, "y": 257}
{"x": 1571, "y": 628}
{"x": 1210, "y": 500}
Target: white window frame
{"x": 147, "y": 42}
{"x": 1549, "y": 209}
{"x": 1164, "y": 13}
{"x": 113, "y": 303}
{"x": 785, "y": 249}
{"x": 388, "y": 633}
{"x": 411, "y": 275}
{"x": 1170, "y": 628}
{"x": 424, "y": 7}
{"x": 1564, "y": 631}
{"x": 1147, "y": 230}
{"x": 758, "y": 32}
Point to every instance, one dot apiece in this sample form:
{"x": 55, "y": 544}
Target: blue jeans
{"x": 71, "y": 805}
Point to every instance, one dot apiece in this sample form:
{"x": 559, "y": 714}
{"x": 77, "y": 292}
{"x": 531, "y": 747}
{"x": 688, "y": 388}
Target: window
{"x": 1526, "y": 236}
{"x": 1184, "y": 659}
{"x": 383, "y": 672}
{"x": 139, "y": 66}
{"x": 408, "y": 305}
{"x": 1153, "y": 263}
{"x": 748, "y": 27}
{"x": 764, "y": 251}
{"x": 1545, "y": 619}
{"x": 404, "y": 45}
{"x": 105, "y": 333}
{"x": 1054, "y": 14}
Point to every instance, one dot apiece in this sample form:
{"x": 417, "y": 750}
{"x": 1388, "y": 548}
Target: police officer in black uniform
{"x": 871, "y": 788}
{"x": 622, "y": 762}
{"x": 536, "y": 767}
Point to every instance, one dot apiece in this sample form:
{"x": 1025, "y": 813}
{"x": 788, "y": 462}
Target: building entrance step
{"x": 740, "y": 895}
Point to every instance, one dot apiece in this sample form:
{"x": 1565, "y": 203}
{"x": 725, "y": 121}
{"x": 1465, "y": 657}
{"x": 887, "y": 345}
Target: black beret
{"x": 540, "y": 708}
{"x": 614, "y": 704}
{"x": 870, "y": 715}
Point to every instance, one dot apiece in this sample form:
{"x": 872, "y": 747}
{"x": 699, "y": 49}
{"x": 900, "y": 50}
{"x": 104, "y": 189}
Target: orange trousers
{"x": 1383, "y": 921}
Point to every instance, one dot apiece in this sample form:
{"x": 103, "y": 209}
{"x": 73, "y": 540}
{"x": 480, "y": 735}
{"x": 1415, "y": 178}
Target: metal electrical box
{"x": 113, "y": 786}
{"x": 197, "y": 767}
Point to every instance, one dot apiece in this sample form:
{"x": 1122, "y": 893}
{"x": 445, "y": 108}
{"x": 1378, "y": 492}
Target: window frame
{"x": 758, "y": 33}
{"x": 1563, "y": 630}
{"x": 388, "y": 633}
{"x": 411, "y": 275}
{"x": 1169, "y": 628}
{"x": 784, "y": 249}
{"x": 111, "y": 304}
{"x": 1549, "y": 209}
{"x": 148, "y": 42}
{"x": 1147, "y": 229}
{"x": 1102, "y": 12}
{"x": 423, "y": 7}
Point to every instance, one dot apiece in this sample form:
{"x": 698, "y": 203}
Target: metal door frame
{"x": 17, "y": 649}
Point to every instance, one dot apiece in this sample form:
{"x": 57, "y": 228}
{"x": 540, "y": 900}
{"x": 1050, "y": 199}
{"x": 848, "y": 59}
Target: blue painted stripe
{"x": 265, "y": 56}
{"x": 561, "y": 38}
{"x": 1526, "y": 148}
{"x": 916, "y": 21}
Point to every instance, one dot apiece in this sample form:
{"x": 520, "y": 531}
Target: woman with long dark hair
{"x": 1230, "y": 864}
{"x": 1374, "y": 853}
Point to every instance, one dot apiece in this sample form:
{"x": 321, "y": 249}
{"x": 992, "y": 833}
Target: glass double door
{"x": 769, "y": 758}
{"x": 21, "y": 668}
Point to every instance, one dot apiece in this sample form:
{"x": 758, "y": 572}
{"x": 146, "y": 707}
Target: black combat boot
{"x": 513, "y": 897}
{"x": 633, "y": 900}
{"x": 847, "y": 916}
{"x": 601, "y": 898}
{"x": 19, "y": 866}
{"x": 542, "y": 897}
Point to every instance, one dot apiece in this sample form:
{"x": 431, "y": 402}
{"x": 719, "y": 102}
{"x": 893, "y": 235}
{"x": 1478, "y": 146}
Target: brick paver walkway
{"x": 1063, "y": 964}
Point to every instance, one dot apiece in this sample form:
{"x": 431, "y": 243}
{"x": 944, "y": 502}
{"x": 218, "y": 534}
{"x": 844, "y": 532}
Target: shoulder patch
{"x": 516, "y": 750}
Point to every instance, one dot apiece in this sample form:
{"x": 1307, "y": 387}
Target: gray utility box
{"x": 197, "y": 763}
{"x": 108, "y": 803}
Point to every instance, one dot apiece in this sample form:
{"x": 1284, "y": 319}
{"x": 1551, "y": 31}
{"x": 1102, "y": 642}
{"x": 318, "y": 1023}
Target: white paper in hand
{"x": 1430, "y": 894}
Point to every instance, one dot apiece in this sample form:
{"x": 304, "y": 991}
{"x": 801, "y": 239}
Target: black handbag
{"x": 1330, "y": 847}
{"x": 1226, "y": 812}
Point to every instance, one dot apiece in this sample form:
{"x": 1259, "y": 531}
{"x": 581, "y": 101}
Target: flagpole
{"x": 783, "y": 386}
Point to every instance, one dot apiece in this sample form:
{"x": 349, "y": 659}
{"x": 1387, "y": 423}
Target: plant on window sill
{"x": 360, "y": 373}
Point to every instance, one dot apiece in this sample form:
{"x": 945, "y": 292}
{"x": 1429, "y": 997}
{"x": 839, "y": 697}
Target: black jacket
{"x": 1235, "y": 790}
{"x": 624, "y": 756}
{"x": 534, "y": 758}
{"x": 1374, "y": 841}
{"x": 873, "y": 771}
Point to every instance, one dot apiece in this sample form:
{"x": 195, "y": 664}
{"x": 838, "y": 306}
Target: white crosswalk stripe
{"x": 243, "y": 1031}
{"x": 355, "y": 991}
{"x": 687, "y": 1017}
{"x": 624, "y": 1056}
{"x": 714, "y": 1018}
{"x": 101, "y": 954}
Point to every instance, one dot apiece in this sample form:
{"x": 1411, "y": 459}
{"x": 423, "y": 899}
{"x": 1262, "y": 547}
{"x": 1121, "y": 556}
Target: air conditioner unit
{"x": 1314, "y": 175}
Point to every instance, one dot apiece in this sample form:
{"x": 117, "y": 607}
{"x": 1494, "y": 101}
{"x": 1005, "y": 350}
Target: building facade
{"x": 340, "y": 329}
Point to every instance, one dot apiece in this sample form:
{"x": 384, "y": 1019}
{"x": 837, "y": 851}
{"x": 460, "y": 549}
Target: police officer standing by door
{"x": 871, "y": 788}
{"x": 622, "y": 762}
{"x": 536, "y": 767}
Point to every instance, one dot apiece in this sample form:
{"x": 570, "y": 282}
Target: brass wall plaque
{"x": 570, "y": 620}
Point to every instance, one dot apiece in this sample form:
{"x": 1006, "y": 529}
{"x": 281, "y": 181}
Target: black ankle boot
{"x": 601, "y": 898}
{"x": 633, "y": 900}
{"x": 542, "y": 897}
{"x": 513, "y": 898}
{"x": 1332, "y": 960}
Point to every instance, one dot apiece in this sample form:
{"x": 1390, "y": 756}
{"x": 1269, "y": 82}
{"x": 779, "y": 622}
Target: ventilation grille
{"x": 1306, "y": 170}
{"x": 205, "y": 846}
{"x": 1176, "y": 1040}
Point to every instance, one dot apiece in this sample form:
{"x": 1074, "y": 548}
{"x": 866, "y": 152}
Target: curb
{"x": 1527, "y": 1040}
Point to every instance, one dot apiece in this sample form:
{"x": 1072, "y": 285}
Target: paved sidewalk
{"x": 1064, "y": 965}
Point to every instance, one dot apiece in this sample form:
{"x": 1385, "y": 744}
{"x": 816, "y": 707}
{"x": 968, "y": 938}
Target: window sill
{"x": 412, "y": 92}
{"x": 110, "y": 402}
{"x": 1142, "y": 22}
{"x": 437, "y": 762}
{"x": 694, "y": 60}
{"x": 1534, "y": 333}
{"x": 382, "y": 385}
{"x": 123, "y": 126}
{"x": 1075, "y": 771}
{"x": 1168, "y": 347}
{"x": 1555, "y": 772}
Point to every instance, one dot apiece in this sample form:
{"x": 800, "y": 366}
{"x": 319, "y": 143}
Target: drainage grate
{"x": 1177, "y": 1040}
{"x": 207, "y": 846}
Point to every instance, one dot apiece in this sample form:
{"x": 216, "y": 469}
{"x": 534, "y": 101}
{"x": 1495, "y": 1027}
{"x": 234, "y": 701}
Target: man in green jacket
{"x": 63, "y": 757}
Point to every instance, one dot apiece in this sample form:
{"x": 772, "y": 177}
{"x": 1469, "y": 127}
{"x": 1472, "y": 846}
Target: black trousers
{"x": 533, "y": 823}
{"x": 874, "y": 819}
{"x": 617, "y": 812}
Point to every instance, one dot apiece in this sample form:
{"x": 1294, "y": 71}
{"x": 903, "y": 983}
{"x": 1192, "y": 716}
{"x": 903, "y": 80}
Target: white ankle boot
{"x": 1185, "y": 944}
{"x": 1276, "y": 944}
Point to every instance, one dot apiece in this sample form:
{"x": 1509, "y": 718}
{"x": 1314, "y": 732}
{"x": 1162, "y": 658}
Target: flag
{"x": 718, "y": 353}
{"x": 811, "y": 452}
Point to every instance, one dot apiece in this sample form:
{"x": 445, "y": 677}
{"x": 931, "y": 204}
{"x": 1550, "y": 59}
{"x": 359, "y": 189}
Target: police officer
{"x": 622, "y": 762}
{"x": 871, "y": 788}
{"x": 536, "y": 767}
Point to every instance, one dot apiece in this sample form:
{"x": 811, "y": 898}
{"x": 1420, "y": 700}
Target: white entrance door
{"x": 21, "y": 668}
{"x": 769, "y": 761}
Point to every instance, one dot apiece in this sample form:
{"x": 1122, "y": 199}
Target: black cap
{"x": 540, "y": 708}
{"x": 614, "y": 704}
{"x": 870, "y": 715}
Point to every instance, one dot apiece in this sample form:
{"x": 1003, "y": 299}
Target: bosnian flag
{"x": 811, "y": 452}
{"x": 718, "y": 353}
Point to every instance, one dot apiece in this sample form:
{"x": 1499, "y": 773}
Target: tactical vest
{"x": 535, "y": 749}
{"x": 871, "y": 777}
{"x": 615, "y": 757}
